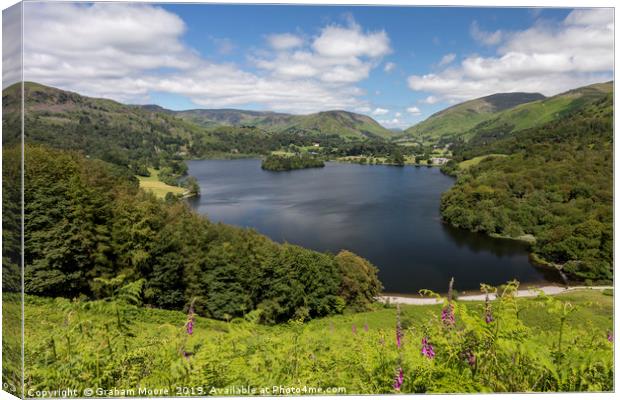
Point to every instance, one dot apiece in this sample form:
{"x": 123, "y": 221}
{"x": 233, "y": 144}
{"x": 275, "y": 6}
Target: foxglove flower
{"x": 610, "y": 336}
{"x": 488, "y": 315}
{"x": 470, "y": 357}
{"x": 447, "y": 314}
{"x": 398, "y": 380}
{"x": 399, "y": 330}
{"x": 189, "y": 326}
{"x": 366, "y": 327}
{"x": 427, "y": 349}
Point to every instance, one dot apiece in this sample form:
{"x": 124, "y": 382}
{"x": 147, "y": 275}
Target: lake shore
{"x": 530, "y": 292}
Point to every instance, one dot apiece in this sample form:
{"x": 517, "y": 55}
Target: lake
{"x": 389, "y": 215}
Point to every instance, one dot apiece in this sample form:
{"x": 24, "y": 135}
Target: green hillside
{"x": 342, "y": 123}
{"x": 554, "y": 184}
{"x": 232, "y": 117}
{"x": 458, "y": 119}
{"x": 100, "y": 128}
{"x": 535, "y": 113}
{"x": 345, "y": 124}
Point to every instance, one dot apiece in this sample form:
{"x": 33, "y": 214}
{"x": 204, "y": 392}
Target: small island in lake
{"x": 274, "y": 162}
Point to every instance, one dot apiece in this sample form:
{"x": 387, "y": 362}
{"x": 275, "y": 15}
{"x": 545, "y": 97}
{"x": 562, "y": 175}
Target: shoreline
{"x": 529, "y": 292}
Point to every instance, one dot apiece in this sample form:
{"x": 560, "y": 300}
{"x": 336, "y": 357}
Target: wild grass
{"x": 159, "y": 188}
{"x": 115, "y": 344}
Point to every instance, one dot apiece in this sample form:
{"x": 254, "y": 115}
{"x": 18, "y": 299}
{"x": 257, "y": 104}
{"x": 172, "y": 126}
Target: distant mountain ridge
{"x": 460, "y": 118}
{"x": 503, "y": 113}
{"x": 339, "y": 122}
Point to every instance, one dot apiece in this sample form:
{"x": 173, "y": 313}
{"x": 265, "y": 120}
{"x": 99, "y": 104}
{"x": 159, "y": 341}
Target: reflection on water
{"x": 389, "y": 215}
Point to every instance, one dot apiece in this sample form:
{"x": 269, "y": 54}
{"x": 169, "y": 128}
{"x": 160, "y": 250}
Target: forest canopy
{"x": 87, "y": 223}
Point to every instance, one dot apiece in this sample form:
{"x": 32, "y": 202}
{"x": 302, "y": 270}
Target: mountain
{"x": 460, "y": 118}
{"x": 337, "y": 122}
{"x": 539, "y": 112}
{"x": 100, "y": 128}
{"x": 342, "y": 123}
{"x": 233, "y": 117}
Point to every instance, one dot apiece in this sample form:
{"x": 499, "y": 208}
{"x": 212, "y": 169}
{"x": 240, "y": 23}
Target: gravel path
{"x": 531, "y": 292}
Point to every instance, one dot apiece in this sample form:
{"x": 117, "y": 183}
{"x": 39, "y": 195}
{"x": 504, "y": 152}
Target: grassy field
{"x": 476, "y": 160}
{"x": 91, "y": 344}
{"x": 159, "y": 188}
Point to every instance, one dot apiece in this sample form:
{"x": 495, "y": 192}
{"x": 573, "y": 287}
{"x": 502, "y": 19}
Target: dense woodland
{"x": 275, "y": 162}
{"x": 556, "y": 184}
{"x": 87, "y": 223}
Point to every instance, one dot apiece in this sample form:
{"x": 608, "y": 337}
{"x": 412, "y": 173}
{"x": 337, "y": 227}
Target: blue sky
{"x": 397, "y": 64}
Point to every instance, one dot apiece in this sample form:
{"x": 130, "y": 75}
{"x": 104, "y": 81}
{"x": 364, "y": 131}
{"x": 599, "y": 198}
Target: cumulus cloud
{"x": 447, "y": 59}
{"x": 486, "y": 38}
{"x": 380, "y": 111}
{"x": 284, "y": 41}
{"x": 350, "y": 41}
{"x": 338, "y": 55}
{"x": 389, "y": 67}
{"x": 392, "y": 123}
{"x": 414, "y": 110}
{"x": 547, "y": 58}
{"x": 127, "y": 51}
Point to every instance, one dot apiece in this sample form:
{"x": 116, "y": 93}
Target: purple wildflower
{"x": 189, "y": 326}
{"x": 399, "y": 330}
{"x": 427, "y": 349}
{"x": 470, "y": 357}
{"x": 186, "y": 355}
{"x": 488, "y": 315}
{"x": 354, "y": 329}
{"x": 447, "y": 314}
{"x": 366, "y": 327}
{"x": 398, "y": 380}
{"x": 610, "y": 336}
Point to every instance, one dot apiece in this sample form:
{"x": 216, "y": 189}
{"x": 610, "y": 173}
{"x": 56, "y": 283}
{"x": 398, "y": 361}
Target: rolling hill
{"x": 535, "y": 113}
{"x": 503, "y": 113}
{"x": 100, "y": 128}
{"x": 145, "y": 136}
{"x": 336, "y": 122}
{"x": 460, "y": 118}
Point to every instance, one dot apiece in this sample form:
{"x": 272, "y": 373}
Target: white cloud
{"x": 338, "y": 55}
{"x": 284, "y": 41}
{"x": 389, "y": 67}
{"x": 486, "y": 38}
{"x": 429, "y": 100}
{"x": 342, "y": 42}
{"x": 380, "y": 111}
{"x": 393, "y": 123}
{"x": 447, "y": 59}
{"x": 547, "y": 58}
{"x": 127, "y": 51}
{"x": 397, "y": 114}
{"x": 414, "y": 110}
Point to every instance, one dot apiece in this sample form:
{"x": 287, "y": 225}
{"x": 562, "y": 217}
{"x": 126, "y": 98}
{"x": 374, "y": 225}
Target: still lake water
{"x": 389, "y": 215}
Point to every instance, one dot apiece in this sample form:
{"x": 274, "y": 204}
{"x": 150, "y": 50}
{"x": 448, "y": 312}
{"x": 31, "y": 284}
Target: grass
{"x": 81, "y": 345}
{"x": 476, "y": 160}
{"x": 159, "y": 188}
